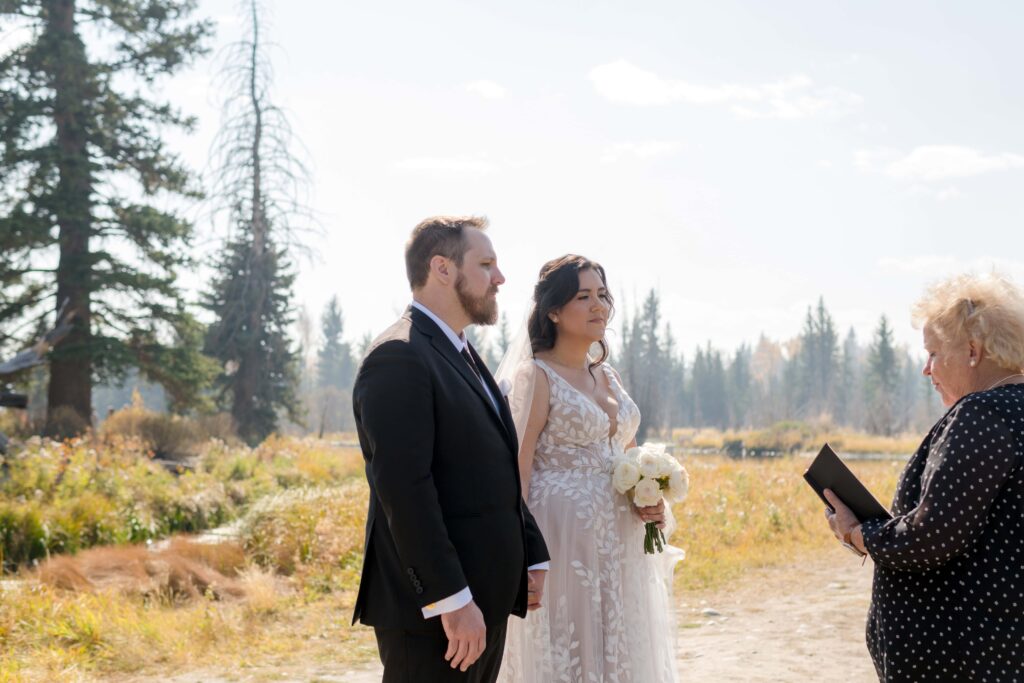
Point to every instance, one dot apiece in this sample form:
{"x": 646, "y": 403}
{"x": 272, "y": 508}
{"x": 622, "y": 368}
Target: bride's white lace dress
{"x": 607, "y": 614}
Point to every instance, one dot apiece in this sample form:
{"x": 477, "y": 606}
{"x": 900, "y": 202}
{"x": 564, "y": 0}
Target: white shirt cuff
{"x": 449, "y": 604}
{"x": 543, "y": 565}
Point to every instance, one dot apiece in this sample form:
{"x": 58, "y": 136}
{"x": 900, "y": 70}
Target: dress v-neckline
{"x": 612, "y": 422}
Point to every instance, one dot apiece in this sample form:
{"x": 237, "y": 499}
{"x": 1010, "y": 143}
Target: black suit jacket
{"x": 446, "y": 508}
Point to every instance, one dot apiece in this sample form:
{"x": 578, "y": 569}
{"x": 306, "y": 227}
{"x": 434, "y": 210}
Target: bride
{"x": 606, "y": 613}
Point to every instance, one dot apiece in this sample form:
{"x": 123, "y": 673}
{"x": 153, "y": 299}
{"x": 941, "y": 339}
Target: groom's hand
{"x": 535, "y": 588}
{"x": 467, "y": 635}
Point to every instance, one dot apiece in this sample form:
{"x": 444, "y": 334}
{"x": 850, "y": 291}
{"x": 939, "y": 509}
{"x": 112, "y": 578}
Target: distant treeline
{"x": 816, "y": 376}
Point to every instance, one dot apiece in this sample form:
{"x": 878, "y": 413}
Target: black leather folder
{"x": 827, "y": 471}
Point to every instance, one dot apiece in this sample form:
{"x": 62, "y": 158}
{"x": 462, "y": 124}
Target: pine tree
{"x": 332, "y": 404}
{"x": 710, "y": 392}
{"x": 257, "y": 180}
{"x": 82, "y": 168}
{"x": 335, "y": 366}
{"x": 251, "y": 298}
{"x": 648, "y": 373}
{"x": 816, "y": 362}
{"x": 882, "y": 381}
{"x": 849, "y": 393}
{"x": 740, "y": 385}
{"x": 675, "y": 388}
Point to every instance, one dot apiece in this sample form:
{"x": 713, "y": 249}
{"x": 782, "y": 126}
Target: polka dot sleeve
{"x": 969, "y": 460}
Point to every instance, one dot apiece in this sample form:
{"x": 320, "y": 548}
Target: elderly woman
{"x": 947, "y": 601}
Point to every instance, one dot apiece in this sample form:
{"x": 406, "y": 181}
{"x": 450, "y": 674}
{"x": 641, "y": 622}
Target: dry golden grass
{"x": 51, "y": 635}
{"x": 112, "y": 611}
{"x": 303, "y": 554}
{"x": 796, "y": 437}
{"x": 183, "y": 570}
{"x": 744, "y": 514}
{"x": 106, "y": 612}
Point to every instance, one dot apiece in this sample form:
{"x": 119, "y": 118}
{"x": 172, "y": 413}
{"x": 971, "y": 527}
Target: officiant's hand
{"x": 467, "y": 635}
{"x": 654, "y": 513}
{"x": 843, "y": 522}
{"x": 535, "y": 588}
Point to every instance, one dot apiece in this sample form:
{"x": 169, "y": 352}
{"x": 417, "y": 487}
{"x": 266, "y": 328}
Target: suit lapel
{"x": 439, "y": 340}
{"x": 504, "y": 413}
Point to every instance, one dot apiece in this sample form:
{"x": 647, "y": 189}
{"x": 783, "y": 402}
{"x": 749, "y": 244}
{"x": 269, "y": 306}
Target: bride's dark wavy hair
{"x": 558, "y": 283}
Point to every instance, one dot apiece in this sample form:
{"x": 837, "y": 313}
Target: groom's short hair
{"x": 437, "y": 236}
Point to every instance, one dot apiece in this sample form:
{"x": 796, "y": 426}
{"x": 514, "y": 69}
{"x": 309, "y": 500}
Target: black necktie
{"x": 472, "y": 364}
{"x": 476, "y": 371}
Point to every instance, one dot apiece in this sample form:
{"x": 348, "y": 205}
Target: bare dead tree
{"x": 259, "y": 183}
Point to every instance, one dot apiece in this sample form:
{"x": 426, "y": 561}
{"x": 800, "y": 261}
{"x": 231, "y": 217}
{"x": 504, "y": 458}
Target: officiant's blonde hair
{"x": 988, "y": 309}
{"x": 437, "y": 236}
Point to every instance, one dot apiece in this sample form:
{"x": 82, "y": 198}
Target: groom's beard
{"x": 482, "y": 310}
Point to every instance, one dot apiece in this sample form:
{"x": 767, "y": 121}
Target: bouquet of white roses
{"x": 647, "y": 474}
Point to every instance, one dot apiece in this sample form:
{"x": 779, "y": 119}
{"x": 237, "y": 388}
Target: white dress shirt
{"x": 464, "y": 596}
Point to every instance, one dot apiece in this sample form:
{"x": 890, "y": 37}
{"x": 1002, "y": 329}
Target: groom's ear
{"x": 442, "y": 269}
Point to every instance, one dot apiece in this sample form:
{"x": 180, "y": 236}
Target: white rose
{"x": 646, "y": 493}
{"x": 634, "y": 453}
{"x": 678, "y": 485}
{"x": 668, "y": 465}
{"x": 626, "y": 475}
{"x": 658, "y": 448}
{"x": 650, "y": 464}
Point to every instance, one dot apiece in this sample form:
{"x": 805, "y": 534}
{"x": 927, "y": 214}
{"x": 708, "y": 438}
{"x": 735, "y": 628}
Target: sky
{"x": 744, "y": 158}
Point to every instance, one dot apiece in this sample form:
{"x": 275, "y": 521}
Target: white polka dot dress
{"x": 947, "y": 601}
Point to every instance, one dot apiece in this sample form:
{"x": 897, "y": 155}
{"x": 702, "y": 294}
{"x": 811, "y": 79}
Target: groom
{"x": 451, "y": 549}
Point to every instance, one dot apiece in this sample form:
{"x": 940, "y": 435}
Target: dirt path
{"x": 799, "y": 623}
{"x": 803, "y": 622}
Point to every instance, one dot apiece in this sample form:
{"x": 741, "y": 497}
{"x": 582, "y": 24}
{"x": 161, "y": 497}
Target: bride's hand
{"x": 654, "y": 513}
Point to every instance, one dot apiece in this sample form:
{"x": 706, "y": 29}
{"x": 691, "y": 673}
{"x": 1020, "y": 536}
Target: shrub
{"x": 64, "y": 497}
{"x": 169, "y": 436}
{"x": 22, "y": 534}
{"x": 314, "y": 530}
{"x": 64, "y": 422}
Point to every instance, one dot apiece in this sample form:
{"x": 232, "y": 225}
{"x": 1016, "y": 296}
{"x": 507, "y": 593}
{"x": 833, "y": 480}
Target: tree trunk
{"x": 71, "y": 368}
{"x": 252, "y": 369}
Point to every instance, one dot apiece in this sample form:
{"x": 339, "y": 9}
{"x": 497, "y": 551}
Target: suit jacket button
{"x": 419, "y": 590}
{"x": 410, "y": 572}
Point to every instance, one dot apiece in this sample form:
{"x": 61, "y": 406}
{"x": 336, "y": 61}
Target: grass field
{"x": 302, "y": 547}
{"x": 744, "y": 514}
{"x": 795, "y": 437}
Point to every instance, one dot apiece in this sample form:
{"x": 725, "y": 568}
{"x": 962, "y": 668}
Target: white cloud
{"x": 446, "y": 165}
{"x": 794, "y": 97}
{"x": 871, "y": 159}
{"x": 932, "y": 163}
{"x": 639, "y": 150}
{"x": 942, "y": 194}
{"x": 932, "y": 266}
{"x": 927, "y": 263}
{"x": 941, "y": 162}
{"x": 489, "y": 90}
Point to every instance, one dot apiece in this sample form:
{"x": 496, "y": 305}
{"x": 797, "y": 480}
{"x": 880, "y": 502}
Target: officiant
{"x": 947, "y": 600}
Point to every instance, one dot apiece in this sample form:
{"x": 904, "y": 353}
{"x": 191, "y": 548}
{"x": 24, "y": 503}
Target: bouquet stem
{"x": 653, "y": 538}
